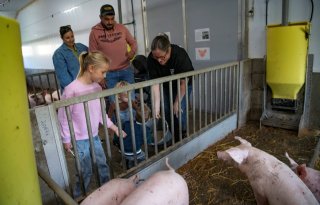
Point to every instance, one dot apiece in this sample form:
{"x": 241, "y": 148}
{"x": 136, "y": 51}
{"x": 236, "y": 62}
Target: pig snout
{"x": 223, "y": 156}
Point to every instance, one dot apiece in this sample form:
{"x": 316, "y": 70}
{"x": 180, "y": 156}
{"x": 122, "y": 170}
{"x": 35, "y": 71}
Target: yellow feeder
{"x": 287, "y": 50}
{"x": 18, "y": 174}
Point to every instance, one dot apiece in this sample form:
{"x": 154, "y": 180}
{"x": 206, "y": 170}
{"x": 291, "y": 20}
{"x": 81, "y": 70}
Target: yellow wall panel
{"x": 18, "y": 174}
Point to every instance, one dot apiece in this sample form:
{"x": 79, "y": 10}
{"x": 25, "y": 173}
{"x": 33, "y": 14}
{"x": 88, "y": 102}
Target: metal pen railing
{"x": 41, "y": 87}
{"x": 213, "y": 91}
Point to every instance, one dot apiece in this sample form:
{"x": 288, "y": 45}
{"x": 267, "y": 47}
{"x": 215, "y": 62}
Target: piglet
{"x": 272, "y": 181}
{"x": 113, "y": 192}
{"x": 309, "y": 176}
{"x": 52, "y": 97}
{"x": 163, "y": 187}
{"x": 32, "y": 100}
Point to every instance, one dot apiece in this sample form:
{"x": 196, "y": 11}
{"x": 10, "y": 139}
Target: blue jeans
{"x": 83, "y": 147}
{"x": 166, "y": 97}
{"x": 113, "y": 77}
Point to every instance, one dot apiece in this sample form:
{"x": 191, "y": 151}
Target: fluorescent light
{"x": 27, "y": 51}
{"x": 70, "y": 10}
{"x": 43, "y": 50}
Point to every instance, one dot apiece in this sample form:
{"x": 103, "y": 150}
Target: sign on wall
{"x": 203, "y": 53}
{"x": 202, "y": 34}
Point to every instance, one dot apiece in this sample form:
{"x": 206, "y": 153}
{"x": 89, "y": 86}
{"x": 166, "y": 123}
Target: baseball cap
{"x": 106, "y": 9}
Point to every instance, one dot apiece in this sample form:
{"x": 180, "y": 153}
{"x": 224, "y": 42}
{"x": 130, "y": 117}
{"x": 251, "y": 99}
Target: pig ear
{"x": 135, "y": 178}
{"x": 301, "y": 171}
{"x": 238, "y": 155}
{"x": 243, "y": 141}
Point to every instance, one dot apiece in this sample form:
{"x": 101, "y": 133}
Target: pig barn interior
{"x": 256, "y": 75}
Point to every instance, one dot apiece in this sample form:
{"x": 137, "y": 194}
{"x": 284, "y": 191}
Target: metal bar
{"x": 171, "y": 111}
{"x": 216, "y": 95}
{"x": 105, "y": 127}
{"x": 163, "y": 118}
{"x": 123, "y": 160}
{"x": 145, "y": 141}
{"x": 133, "y": 135}
{"x": 229, "y": 89}
{"x": 238, "y": 87}
{"x": 234, "y": 89}
{"x": 199, "y": 98}
{"x": 33, "y": 86}
{"x": 106, "y": 135}
{"x": 221, "y": 96}
{"x": 74, "y": 145}
{"x": 57, "y": 87}
{"x": 193, "y": 105}
{"x": 184, "y": 23}
{"x": 42, "y": 90}
{"x": 92, "y": 149}
{"x": 120, "y": 11}
{"x": 187, "y": 104}
{"x": 113, "y": 91}
{"x": 225, "y": 90}
{"x": 211, "y": 96}
{"x": 179, "y": 108}
{"x": 145, "y": 26}
{"x": 134, "y": 21}
{"x": 205, "y": 100}
{"x": 49, "y": 87}
{"x": 155, "y": 140}
{"x": 66, "y": 198}
{"x": 285, "y": 12}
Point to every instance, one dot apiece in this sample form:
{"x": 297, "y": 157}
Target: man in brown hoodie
{"x": 112, "y": 39}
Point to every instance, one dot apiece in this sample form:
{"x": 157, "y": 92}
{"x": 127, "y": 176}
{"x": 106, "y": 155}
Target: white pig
{"x": 54, "y": 96}
{"x": 309, "y": 176}
{"x": 163, "y": 187}
{"x": 113, "y": 192}
{"x": 32, "y": 101}
{"x": 272, "y": 181}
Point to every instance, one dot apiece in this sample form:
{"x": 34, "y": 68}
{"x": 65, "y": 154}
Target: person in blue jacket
{"x": 66, "y": 57}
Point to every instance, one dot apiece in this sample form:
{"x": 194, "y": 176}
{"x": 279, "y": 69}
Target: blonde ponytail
{"x": 95, "y": 58}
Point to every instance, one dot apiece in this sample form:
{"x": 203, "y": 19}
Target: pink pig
{"x": 163, "y": 187}
{"x": 113, "y": 192}
{"x": 272, "y": 181}
{"x": 309, "y": 176}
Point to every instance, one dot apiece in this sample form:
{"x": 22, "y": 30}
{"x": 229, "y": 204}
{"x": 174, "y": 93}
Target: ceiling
{"x": 13, "y": 5}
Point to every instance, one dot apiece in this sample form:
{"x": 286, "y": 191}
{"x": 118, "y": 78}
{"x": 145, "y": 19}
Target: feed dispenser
{"x": 286, "y": 70}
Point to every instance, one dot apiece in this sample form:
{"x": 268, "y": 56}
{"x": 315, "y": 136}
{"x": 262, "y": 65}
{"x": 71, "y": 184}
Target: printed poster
{"x": 202, "y": 34}
{"x": 203, "y": 53}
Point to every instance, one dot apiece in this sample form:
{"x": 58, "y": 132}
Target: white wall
{"x": 299, "y": 10}
{"x": 41, "y": 20}
{"x": 40, "y": 23}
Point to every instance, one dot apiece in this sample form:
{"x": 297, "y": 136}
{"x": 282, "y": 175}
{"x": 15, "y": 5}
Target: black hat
{"x": 106, "y": 9}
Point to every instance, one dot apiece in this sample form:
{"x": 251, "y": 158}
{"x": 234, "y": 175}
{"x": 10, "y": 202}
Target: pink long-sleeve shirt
{"x": 74, "y": 89}
{"x": 113, "y": 43}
